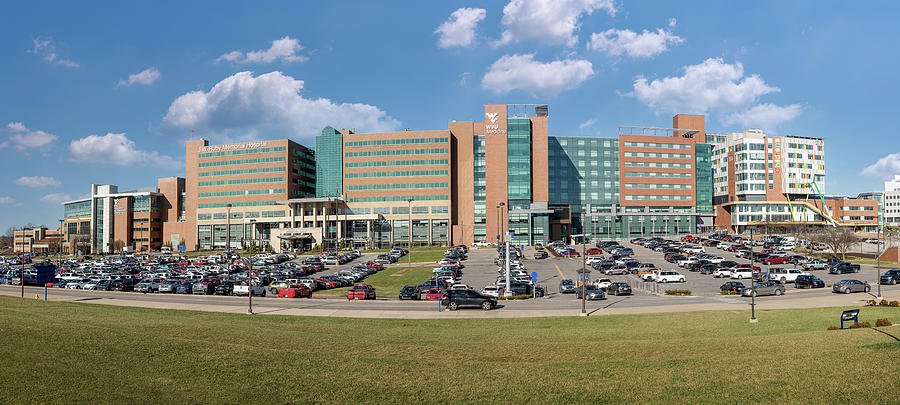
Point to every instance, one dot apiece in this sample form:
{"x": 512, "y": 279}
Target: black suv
{"x": 808, "y": 281}
{"x": 567, "y": 286}
{"x": 409, "y": 292}
{"x": 455, "y": 299}
{"x": 890, "y": 277}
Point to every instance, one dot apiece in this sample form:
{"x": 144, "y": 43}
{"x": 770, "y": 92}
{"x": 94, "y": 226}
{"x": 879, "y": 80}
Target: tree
{"x": 839, "y": 240}
{"x": 118, "y": 245}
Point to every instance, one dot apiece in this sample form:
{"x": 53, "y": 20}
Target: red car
{"x": 295, "y": 291}
{"x": 776, "y": 260}
{"x": 593, "y": 251}
{"x": 373, "y": 265}
{"x": 433, "y": 294}
{"x": 569, "y": 253}
{"x": 330, "y": 284}
{"x": 361, "y": 292}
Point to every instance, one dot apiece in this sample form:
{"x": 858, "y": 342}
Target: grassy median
{"x": 390, "y": 281}
{"x": 82, "y": 353}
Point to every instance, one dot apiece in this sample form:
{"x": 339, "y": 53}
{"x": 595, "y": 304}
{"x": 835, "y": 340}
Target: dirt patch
{"x": 402, "y": 272}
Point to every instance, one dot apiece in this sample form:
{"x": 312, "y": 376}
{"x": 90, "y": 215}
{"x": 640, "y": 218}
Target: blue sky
{"x": 108, "y": 92}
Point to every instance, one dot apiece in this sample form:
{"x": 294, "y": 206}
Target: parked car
{"x": 492, "y": 291}
{"x": 891, "y": 277}
{"x": 669, "y": 277}
{"x": 242, "y": 289}
{"x": 814, "y": 264}
{"x": 808, "y": 281}
{"x": 850, "y": 286}
{"x": 842, "y": 268}
{"x": 409, "y": 292}
{"x": 784, "y": 275}
{"x": 591, "y": 292}
{"x": 361, "y": 292}
{"x": 297, "y": 290}
{"x": 566, "y": 286}
{"x": 732, "y": 286}
{"x": 540, "y": 254}
{"x": 764, "y": 288}
{"x": 455, "y": 299}
{"x": 618, "y": 288}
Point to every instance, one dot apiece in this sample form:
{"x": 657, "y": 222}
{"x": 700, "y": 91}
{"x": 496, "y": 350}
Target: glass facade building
{"x": 329, "y": 158}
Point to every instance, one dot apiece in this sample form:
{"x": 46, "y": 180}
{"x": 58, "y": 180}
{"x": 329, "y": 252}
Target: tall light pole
{"x": 409, "y": 218}
{"x": 878, "y": 267}
{"x": 228, "y": 230}
{"x": 752, "y": 285}
{"x": 250, "y": 272}
{"x": 22, "y": 273}
{"x": 583, "y": 265}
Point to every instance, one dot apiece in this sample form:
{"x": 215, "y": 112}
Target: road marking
{"x": 560, "y": 271}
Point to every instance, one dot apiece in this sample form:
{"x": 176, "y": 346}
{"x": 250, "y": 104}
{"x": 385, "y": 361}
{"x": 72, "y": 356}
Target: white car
{"x": 694, "y": 249}
{"x": 741, "y": 273}
{"x": 481, "y": 244}
{"x": 593, "y": 259}
{"x": 602, "y": 283}
{"x": 716, "y": 259}
{"x": 687, "y": 262}
{"x": 459, "y": 287}
{"x": 668, "y": 276}
{"x": 243, "y": 289}
{"x": 492, "y": 291}
{"x": 651, "y": 276}
{"x": 785, "y": 275}
{"x": 722, "y": 272}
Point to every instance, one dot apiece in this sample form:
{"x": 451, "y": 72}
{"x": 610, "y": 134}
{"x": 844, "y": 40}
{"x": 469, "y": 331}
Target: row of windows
{"x": 242, "y": 181}
{"x": 241, "y": 193}
{"x": 382, "y": 142}
{"x": 419, "y": 162}
{"x": 238, "y": 204}
{"x": 658, "y": 174}
{"x": 242, "y": 161}
{"x": 659, "y": 165}
{"x": 438, "y": 209}
{"x": 658, "y": 155}
{"x": 243, "y": 171}
{"x": 401, "y": 173}
{"x": 430, "y": 151}
{"x": 399, "y": 198}
{"x": 243, "y": 152}
{"x": 240, "y": 215}
{"x": 659, "y": 197}
{"x": 658, "y": 145}
{"x": 659, "y": 186}
{"x": 396, "y": 186}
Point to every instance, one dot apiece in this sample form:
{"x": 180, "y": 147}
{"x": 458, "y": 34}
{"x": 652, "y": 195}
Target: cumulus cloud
{"x": 522, "y": 72}
{"x": 23, "y": 138}
{"x": 672, "y": 22}
{"x": 56, "y": 198}
{"x": 548, "y": 21}
{"x": 717, "y": 87}
{"x": 644, "y": 45}
{"x": 44, "y": 48}
{"x": 146, "y": 77}
{"x": 885, "y": 167}
{"x": 8, "y": 200}
{"x": 37, "y": 181}
{"x": 459, "y": 29}
{"x": 116, "y": 149}
{"x": 764, "y": 116}
{"x": 268, "y": 105}
{"x": 285, "y": 50}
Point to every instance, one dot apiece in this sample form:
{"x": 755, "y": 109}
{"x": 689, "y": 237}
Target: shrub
{"x": 884, "y": 303}
{"x": 883, "y": 322}
{"x": 730, "y": 292}
{"x": 857, "y": 325}
{"x": 678, "y": 292}
{"x": 895, "y": 303}
{"x": 871, "y": 303}
{"x": 517, "y": 297}
{"x": 832, "y": 327}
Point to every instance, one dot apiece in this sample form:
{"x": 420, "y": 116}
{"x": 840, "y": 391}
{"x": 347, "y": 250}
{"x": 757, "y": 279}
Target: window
{"x": 397, "y": 152}
{"x": 402, "y": 173}
{"x": 241, "y": 193}
{"x": 241, "y": 181}
{"x": 242, "y": 162}
{"x": 243, "y": 152}
{"x": 381, "y": 142}
{"x": 419, "y": 162}
{"x": 395, "y": 186}
{"x": 398, "y": 198}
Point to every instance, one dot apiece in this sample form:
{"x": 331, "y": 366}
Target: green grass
{"x": 387, "y": 283}
{"x": 85, "y": 353}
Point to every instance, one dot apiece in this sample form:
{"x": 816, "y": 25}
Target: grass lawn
{"x": 68, "y": 352}
{"x": 389, "y": 281}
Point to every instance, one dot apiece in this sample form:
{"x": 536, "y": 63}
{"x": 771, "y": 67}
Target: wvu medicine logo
{"x": 492, "y": 117}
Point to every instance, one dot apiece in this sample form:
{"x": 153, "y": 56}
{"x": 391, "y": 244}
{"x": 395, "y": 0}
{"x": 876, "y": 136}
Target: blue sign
{"x": 182, "y": 248}
{"x": 79, "y": 253}
{"x": 534, "y": 276}
{"x": 46, "y": 273}
{"x": 851, "y": 315}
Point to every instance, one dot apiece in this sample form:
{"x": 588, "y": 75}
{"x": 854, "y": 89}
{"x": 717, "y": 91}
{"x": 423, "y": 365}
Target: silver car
{"x": 851, "y": 286}
{"x": 764, "y": 288}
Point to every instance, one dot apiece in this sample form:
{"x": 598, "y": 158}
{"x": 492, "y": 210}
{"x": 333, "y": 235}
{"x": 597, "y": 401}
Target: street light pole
{"x": 250, "y": 272}
{"x": 227, "y": 229}
{"x": 752, "y": 285}
{"x": 409, "y": 217}
{"x": 878, "y": 267}
{"x": 583, "y": 266}
{"x": 22, "y": 273}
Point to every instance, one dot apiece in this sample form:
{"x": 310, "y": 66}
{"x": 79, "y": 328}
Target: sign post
{"x": 533, "y": 284}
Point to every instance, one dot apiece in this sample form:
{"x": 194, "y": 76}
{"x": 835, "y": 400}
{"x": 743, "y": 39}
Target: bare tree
{"x": 839, "y": 240}
{"x": 118, "y": 245}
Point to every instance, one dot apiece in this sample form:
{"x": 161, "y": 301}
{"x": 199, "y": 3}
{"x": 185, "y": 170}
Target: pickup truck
{"x": 776, "y": 260}
{"x": 361, "y": 292}
{"x": 243, "y": 289}
{"x": 814, "y": 264}
{"x": 841, "y": 268}
{"x": 785, "y": 275}
{"x": 295, "y": 290}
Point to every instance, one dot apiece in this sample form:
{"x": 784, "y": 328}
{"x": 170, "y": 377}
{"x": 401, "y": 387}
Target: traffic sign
{"x": 182, "y": 248}
{"x": 534, "y": 276}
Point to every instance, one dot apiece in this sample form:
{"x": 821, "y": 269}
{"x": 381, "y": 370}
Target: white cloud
{"x": 764, "y": 116}
{"x": 45, "y": 49}
{"x": 548, "y": 21}
{"x": 24, "y": 138}
{"x": 587, "y": 124}
{"x": 464, "y": 79}
{"x": 37, "y": 181}
{"x": 885, "y": 167}
{"x": 672, "y": 22}
{"x": 644, "y": 45}
{"x": 284, "y": 49}
{"x": 147, "y": 77}
{"x": 522, "y": 72}
{"x": 116, "y": 149}
{"x": 56, "y": 198}
{"x": 459, "y": 29}
{"x": 7, "y": 200}
{"x": 268, "y": 105}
